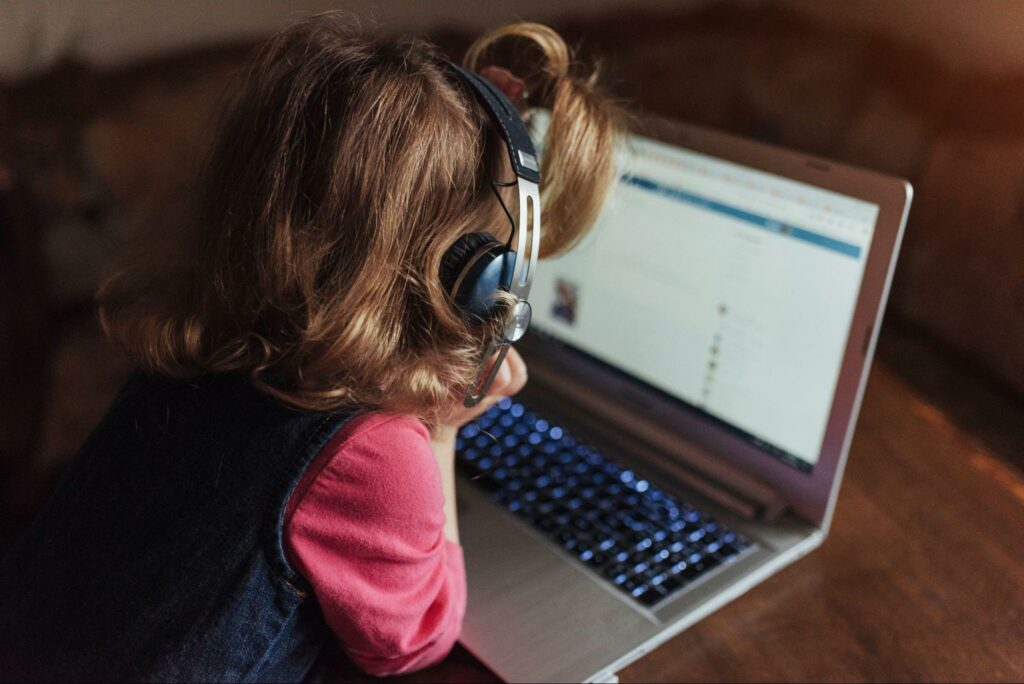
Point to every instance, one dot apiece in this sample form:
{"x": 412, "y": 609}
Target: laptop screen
{"x": 729, "y": 289}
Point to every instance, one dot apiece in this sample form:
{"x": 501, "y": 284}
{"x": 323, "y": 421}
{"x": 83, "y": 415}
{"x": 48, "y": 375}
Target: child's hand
{"x": 510, "y": 379}
{"x": 511, "y": 85}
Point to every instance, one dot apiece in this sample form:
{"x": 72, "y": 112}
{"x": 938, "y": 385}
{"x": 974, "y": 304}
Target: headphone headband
{"x": 513, "y": 130}
{"x": 523, "y": 158}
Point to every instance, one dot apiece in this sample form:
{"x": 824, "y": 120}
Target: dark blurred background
{"x": 106, "y": 106}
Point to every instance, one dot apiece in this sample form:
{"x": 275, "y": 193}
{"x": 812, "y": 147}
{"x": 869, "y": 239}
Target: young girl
{"x": 281, "y": 468}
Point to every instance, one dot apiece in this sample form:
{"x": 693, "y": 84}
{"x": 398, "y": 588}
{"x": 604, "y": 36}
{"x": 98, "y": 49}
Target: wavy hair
{"x": 343, "y": 168}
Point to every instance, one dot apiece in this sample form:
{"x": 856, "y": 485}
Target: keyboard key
{"x": 653, "y": 595}
{"x": 671, "y": 584}
{"x": 616, "y": 569}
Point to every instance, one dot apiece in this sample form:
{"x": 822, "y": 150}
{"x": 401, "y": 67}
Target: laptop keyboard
{"x": 644, "y": 541}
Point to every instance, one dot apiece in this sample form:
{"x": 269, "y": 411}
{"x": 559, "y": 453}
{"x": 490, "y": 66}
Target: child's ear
{"x": 510, "y": 84}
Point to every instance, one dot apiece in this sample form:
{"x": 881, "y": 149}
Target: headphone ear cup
{"x": 473, "y": 270}
{"x": 459, "y": 255}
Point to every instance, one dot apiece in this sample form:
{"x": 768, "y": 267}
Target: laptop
{"x": 696, "y": 369}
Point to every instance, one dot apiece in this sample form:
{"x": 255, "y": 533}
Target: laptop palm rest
{"x": 520, "y": 585}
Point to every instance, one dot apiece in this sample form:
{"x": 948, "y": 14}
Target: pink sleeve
{"x": 365, "y": 526}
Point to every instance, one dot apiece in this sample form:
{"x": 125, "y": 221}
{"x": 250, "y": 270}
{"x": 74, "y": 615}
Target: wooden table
{"x": 922, "y": 577}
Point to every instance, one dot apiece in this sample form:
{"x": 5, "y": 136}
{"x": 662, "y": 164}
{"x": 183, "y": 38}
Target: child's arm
{"x": 442, "y": 440}
{"x": 510, "y": 379}
{"x": 366, "y": 528}
{"x": 372, "y": 527}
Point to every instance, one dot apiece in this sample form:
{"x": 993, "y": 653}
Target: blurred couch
{"x": 106, "y": 151}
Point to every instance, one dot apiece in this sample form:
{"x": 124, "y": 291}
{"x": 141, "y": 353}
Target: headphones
{"x": 478, "y": 266}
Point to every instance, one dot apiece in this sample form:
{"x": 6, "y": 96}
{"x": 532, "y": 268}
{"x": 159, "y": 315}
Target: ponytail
{"x": 578, "y": 165}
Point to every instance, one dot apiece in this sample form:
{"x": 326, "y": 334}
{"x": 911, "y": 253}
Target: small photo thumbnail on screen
{"x": 566, "y": 301}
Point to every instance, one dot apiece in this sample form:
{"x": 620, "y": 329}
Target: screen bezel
{"x": 810, "y": 494}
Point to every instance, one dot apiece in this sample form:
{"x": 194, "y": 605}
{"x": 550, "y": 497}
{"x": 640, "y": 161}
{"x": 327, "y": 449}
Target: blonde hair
{"x": 343, "y": 169}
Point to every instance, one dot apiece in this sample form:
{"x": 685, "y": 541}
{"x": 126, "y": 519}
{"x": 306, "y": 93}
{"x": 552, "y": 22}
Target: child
{"x": 281, "y": 468}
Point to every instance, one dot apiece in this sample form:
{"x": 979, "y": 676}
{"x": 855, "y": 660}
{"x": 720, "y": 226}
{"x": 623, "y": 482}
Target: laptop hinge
{"x": 657, "y": 447}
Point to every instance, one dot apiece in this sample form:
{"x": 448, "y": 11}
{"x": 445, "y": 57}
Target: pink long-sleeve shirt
{"x": 365, "y": 526}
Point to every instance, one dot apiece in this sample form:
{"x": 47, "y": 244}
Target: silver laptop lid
{"x": 732, "y": 291}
